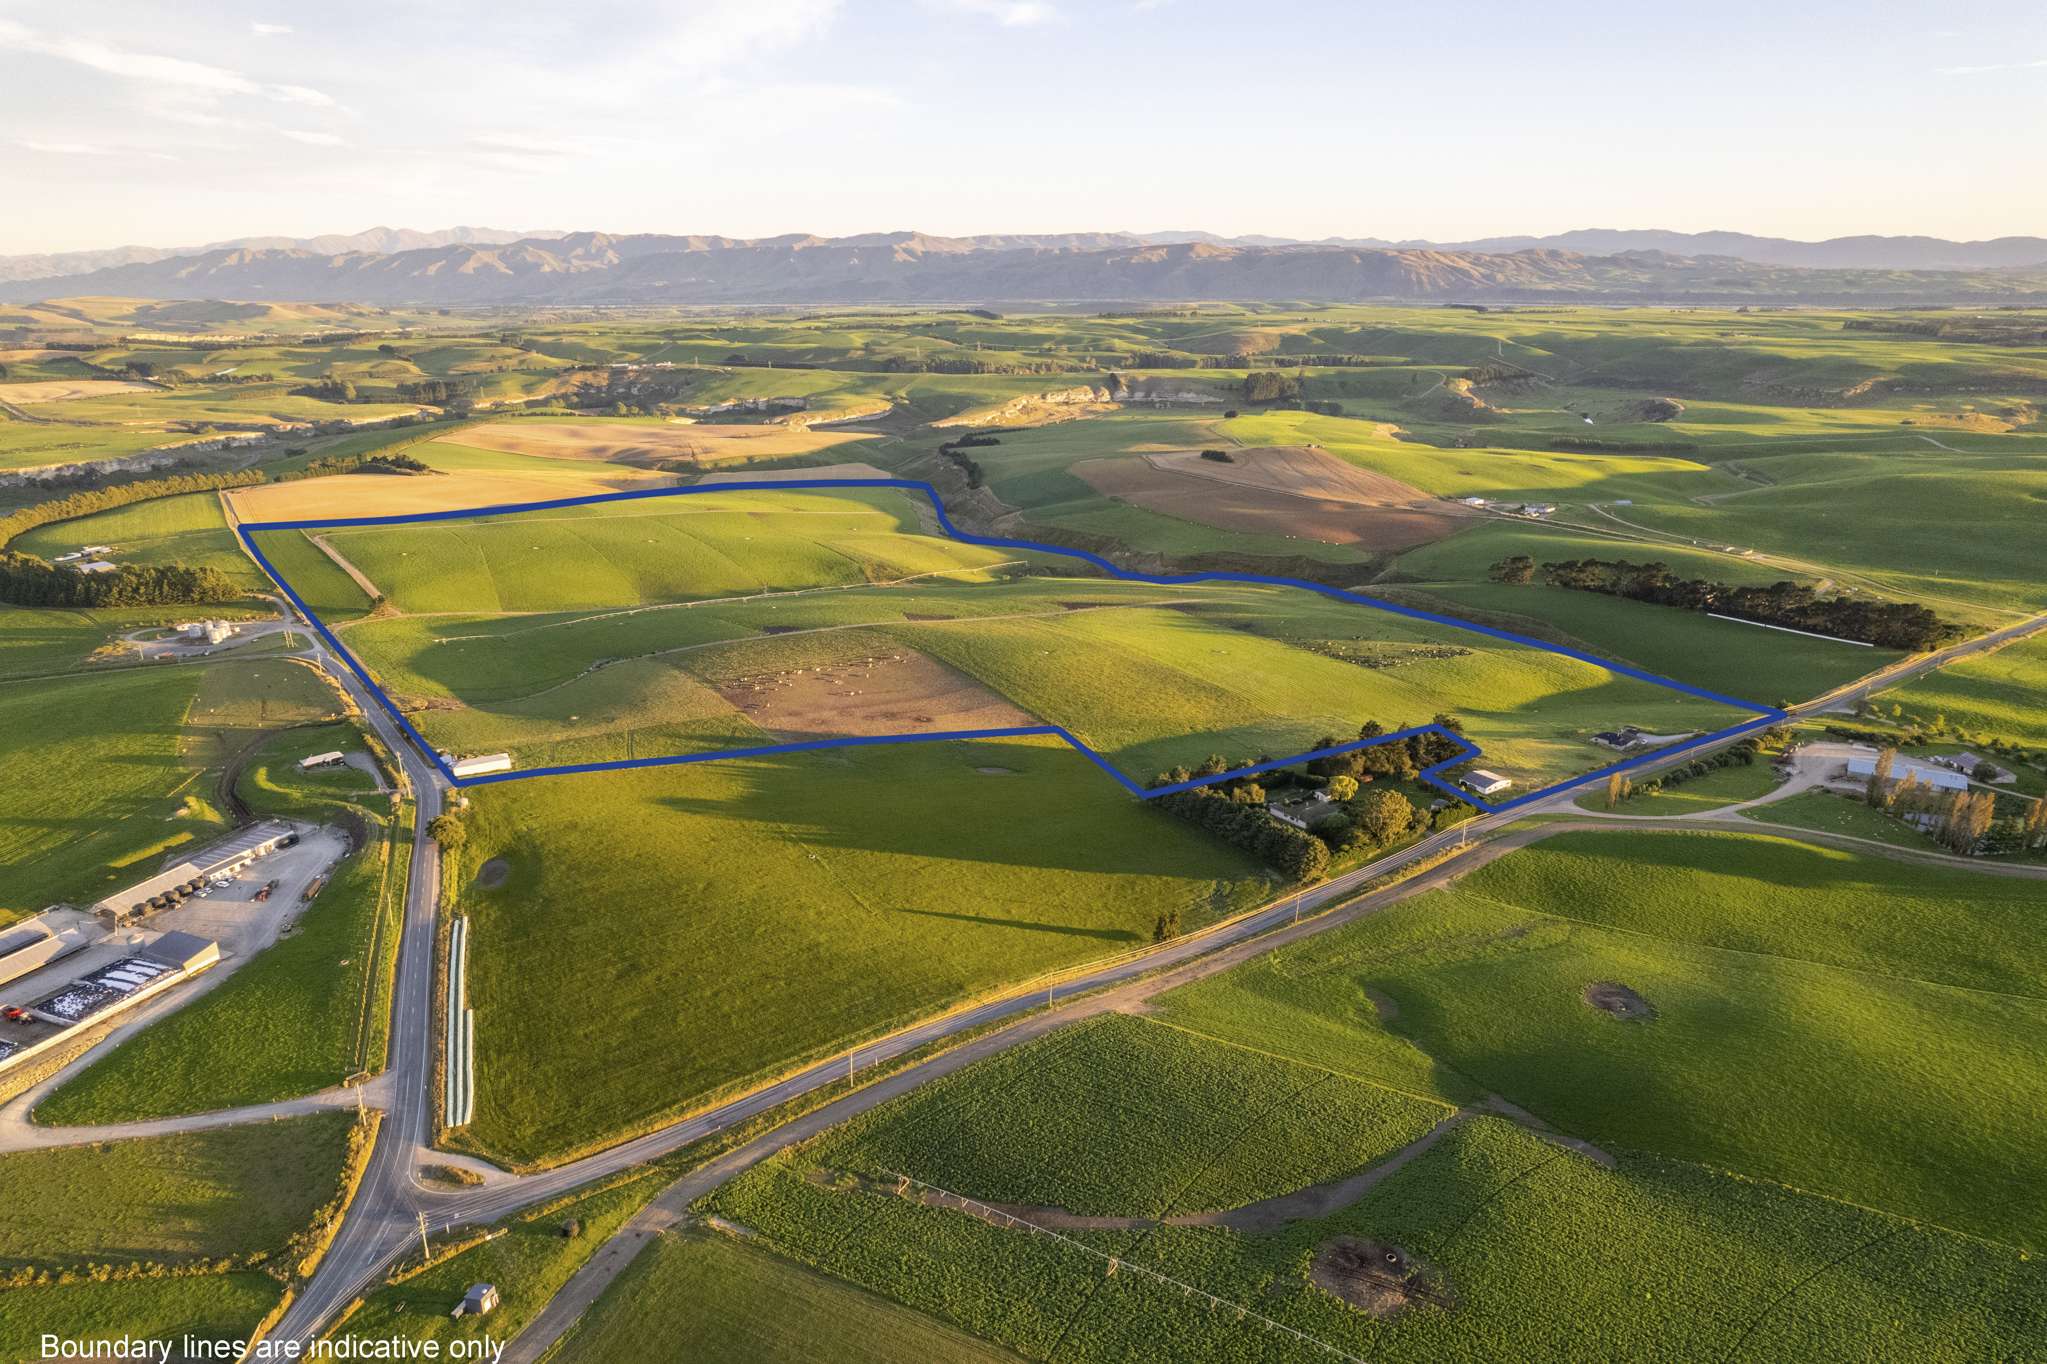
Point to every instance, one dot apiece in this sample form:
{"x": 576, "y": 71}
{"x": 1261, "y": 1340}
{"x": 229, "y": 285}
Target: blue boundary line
{"x": 1766, "y": 715}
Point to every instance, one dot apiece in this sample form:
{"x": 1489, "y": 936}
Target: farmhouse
{"x": 179, "y": 880}
{"x": 1929, "y": 774}
{"x": 1620, "y": 740}
{"x": 333, "y": 759}
{"x": 1484, "y": 783}
{"x": 96, "y": 566}
{"x": 1966, "y": 763}
{"x": 1303, "y": 813}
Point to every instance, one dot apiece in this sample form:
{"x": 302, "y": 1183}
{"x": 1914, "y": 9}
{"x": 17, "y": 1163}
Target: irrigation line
{"x": 1117, "y": 1264}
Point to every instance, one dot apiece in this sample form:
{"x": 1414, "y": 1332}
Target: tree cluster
{"x": 956, "y": 451}
{"x": 26, "y": 580}
{"x": 1242, "y": 822}
{"x": 1891, "y": 625}
{"x": 1271, "y": 386}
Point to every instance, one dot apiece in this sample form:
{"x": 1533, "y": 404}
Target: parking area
{"x": 233, "y": 915}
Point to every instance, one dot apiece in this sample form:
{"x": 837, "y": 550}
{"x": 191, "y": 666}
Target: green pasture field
{"x": 309, "y": 1011}
{"x": 122, "y": 760}
{"x": 188, "y": 529}
{"x": 892, "y": 881}
{"x": 1532, "y": 1252}
{"x": 1793, "y": 1177}
{"x": 29, "y": 445}
{"x": 1921, "y": 522}
{"x": 696, "y": 1296}
{"x": 205, "y": 1306}
{"x": 42, "y": 641}
{"x": 569, "y": 666}
{"x": 1772, "y": 1045}
{"x": 185, "y": 1199}
{"x": 1830, "y": 813}
{"x": 634, "y": 553}
{"x": 1768, "y": 667}
{"x": 1694, "y": 795}
{"x": 2000, "y": 695}
{"x": 529, "y": 1263}
{"x": 1125, "y": 1116}
{"x": 1467, "y": 556}
{"x": 320, "y": 583}
{"x": 110, "y": 779}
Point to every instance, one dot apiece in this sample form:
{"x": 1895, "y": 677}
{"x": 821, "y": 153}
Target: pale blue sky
{"x": 172, "y": 124}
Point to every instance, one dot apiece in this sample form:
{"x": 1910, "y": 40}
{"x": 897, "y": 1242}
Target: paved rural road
{"x": 383, "y": 1210}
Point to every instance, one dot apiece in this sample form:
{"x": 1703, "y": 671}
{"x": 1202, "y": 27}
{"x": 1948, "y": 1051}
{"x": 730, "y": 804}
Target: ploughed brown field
{"x": 1279, "y": 490}
{"x": 629, "y": 443}
{"x": 893, "y": 690}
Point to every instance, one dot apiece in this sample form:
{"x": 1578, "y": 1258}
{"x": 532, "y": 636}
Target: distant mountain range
{"x": 1836, "y": 253}
{"x": 66, "y": 263}
{"x": 472, "y": 266}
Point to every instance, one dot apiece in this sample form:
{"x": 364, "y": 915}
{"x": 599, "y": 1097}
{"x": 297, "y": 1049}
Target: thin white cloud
{"x": 34, "y": 144}
{"x": 263, "y": 30}
{"x": 153, "y": 69}
{"x": 1008, "y": 13}
{"x": 2040, "y": 65}
{"x": 314, "y": 139}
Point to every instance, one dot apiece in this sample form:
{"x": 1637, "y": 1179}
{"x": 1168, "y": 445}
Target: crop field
{"x": 463, "y": 476}
{"x": 977, "y": 864}
{"x": 1507, "y": 1248}
{"x": 231, "y": 1193}
{"x": 1789, "y": 1177}
{"x": 306, "y": 1013}
{"x": 697, "y": 443}
{"x": 696, "y": 1296}
{"x": 1123, "y": 1116}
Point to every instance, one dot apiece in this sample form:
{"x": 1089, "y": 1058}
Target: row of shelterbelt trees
{"x": 1891, "y": 625}
{"x": 27, "y": 580}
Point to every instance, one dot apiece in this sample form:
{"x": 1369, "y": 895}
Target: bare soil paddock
{"x": 1280, "y": 490}
{"x": 893, "y": 690}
